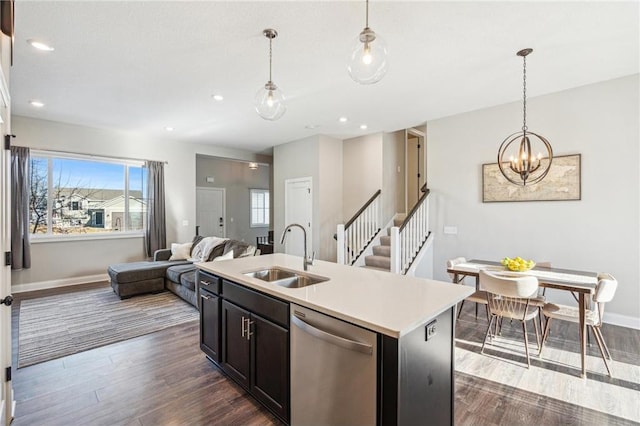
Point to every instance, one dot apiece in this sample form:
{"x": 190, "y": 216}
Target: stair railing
{"x": 408, "y": 239}
{"x": 359, "y": 231}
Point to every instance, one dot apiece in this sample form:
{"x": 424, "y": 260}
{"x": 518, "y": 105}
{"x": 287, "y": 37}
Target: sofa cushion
{"x": 140, "y": 271}
{"x": 175, "y": 272}
{"x": 188, "y": 279}
{"x": 238, "y": 247}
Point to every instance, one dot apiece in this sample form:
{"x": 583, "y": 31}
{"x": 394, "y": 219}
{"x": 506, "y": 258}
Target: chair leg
{"x": 476, "y": 311}
{"x": 535, "y": 327}
{"x": 545, "y": 334}
{"x": 604, "y": 358}
{"x": 526, "y": 342}
{"x": 487, "y": 334}
{"x": 606, "y": 349}
{"x": 460, "y": 311}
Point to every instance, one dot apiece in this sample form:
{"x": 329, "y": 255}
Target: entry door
{"x": 298, "y": 208}
{"x": 210, "y": 212}
{"x": 6, "y": 390}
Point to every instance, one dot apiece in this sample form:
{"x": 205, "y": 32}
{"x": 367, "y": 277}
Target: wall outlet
{"x": 430, "y": 330}
{"x": 210, "y": 179}
{"x": 185, "y": 223}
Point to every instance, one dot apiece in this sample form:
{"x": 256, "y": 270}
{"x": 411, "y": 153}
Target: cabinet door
{"x": 210, "y": 325}
{"x": 270, "y": 365}
{"x": 236, "y": 346}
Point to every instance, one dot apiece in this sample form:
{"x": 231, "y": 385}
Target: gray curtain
{"x": 20, "y": 245}
{"x": 156, "y": 230}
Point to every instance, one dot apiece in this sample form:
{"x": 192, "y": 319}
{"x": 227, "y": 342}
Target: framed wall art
{"x": 562, "y": 183}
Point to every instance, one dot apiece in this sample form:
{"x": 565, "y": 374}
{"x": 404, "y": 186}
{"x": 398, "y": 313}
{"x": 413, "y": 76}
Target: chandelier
{"x": 517, "y": 160}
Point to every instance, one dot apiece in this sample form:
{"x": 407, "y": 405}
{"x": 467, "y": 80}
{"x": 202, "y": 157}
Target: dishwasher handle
{"x": 351, "y": 345}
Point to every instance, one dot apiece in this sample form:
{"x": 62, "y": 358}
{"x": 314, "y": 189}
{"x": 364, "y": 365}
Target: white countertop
{"x": 380, "y": 301}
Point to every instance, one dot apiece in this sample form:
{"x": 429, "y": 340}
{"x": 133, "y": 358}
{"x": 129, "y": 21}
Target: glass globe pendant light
{"x": 518, "y": 162}
{"x": 270, "y": 101}
{"x": 367, "y": 62}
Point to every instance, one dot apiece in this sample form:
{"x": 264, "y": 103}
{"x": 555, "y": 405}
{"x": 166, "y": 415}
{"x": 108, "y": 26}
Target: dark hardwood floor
{"x": 164, "y": 379}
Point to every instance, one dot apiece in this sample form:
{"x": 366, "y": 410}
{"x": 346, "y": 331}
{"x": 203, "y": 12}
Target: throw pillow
{"x": 180, "y": 251}
{"x": 224, "y": 257}
{"x": 217, "y": 251}
{"x": 203, "y": 249}
{"x": 237, "y": 247}
{"x": 195, "y": 242}
{"x": 250, "y": 251}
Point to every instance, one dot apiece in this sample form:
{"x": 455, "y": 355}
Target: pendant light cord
{"x": 270, "y": 55}
{"x": 524, "y": 93}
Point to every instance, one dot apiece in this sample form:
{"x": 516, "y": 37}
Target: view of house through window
{"x": 259, "y": 207}
{"x": 74, "y": 195}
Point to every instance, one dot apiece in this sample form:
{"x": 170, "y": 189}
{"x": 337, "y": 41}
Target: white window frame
{"x": 266, "y": 208}
{"x": 50, "y": 236}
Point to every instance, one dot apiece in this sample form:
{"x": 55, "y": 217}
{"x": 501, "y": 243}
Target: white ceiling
{"x": 141, "y": 66}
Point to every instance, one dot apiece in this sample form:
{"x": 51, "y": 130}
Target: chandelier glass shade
{"x": 269, "y": 100}
{"x": 525, "y": 157}
{"x": 367, "y": 61}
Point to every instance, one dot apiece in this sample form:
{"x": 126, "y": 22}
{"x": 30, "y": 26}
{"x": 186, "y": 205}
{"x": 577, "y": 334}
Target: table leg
{"x": 583, "y": 332}
{"x": 477, "y": 288}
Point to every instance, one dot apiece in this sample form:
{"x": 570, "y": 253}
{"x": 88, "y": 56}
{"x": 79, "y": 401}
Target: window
{"x": 259, "y": 208}
{"x": 75, "y": 194}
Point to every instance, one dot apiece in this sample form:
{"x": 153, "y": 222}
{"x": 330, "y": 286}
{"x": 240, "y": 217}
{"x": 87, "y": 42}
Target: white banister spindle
{"x": 340, "y": 257}
{"x": 395, "y": 250}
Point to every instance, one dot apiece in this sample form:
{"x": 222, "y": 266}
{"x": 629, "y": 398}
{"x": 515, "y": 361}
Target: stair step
{"x": 385, "y": 240}
{"x": 398, "y": 222}
{"x": 378, "y": 262}
{"x": 376, "y": 268}
{"x": 382, "y": 251}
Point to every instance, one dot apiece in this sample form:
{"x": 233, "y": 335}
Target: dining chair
{"x": 509, "y": 296}
{"x": 478, "y": 297}
{"x": 604, "y": 292}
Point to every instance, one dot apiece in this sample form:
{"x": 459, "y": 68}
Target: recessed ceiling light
{"x": 363, "y": 126}
{"x": 311, "y": 126}
{"x": 169, "y": 129}
{"x": 343, "y": 119}
{"x": 36, "y": 104}
{"x": 40, "y": 45}
{"x": 218, "y": 98}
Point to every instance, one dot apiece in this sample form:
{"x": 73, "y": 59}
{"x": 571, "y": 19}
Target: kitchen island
{"x": 249, "y": 328}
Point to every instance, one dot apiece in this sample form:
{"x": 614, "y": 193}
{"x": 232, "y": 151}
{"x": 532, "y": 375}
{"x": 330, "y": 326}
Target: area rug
{"x": 56, "y": 326}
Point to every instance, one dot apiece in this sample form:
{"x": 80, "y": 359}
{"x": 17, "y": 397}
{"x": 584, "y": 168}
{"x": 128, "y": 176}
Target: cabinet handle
{"x": 249, "y": 333}
{"x": 205, "y": 297}
{"x": 243, "y": 331}
{"x": 204, "y": 282}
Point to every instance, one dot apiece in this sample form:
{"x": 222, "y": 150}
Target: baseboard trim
{"x": 63, "y": 282}
{"x": 622, "y": 320}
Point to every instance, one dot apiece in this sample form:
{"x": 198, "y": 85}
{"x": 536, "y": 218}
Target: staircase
{"x": 381, "y": 258}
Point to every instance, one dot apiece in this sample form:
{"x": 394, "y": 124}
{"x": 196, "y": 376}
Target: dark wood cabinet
{"x": 209, "y": 324}
{"x": 270, "y": 365}
{"x": 246, "y": 333}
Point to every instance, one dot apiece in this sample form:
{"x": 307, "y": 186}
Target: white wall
{"x": 93, "y": 257}
{"x": 318, "y": 157}
{"x": 393, "y": 170}
{"x": 362, "y": 171}
{"x": 601, "y": 232}
{"x": 330, "y": 194}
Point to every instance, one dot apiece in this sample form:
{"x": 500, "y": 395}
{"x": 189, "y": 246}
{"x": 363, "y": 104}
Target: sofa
{"x": 172, "y": 270}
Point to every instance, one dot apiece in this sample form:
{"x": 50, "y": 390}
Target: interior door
{"x": 6, "y": 390}
{"x": 210, "y": 212}
{"x": 298, "y": 208}
{"x": 414, "y": 167}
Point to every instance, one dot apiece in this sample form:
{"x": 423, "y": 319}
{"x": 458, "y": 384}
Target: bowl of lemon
{"x": 518, "y": 264}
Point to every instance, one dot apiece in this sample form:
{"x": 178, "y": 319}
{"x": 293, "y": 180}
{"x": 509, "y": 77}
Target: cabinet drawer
{"x": 209, "y": 282}
{"x": 266, "y": 306}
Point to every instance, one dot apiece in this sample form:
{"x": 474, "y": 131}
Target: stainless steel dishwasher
{"x": 333, "y": 371}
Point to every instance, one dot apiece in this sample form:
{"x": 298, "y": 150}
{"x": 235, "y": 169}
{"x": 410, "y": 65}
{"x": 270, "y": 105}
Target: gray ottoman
{"x": 129, "y": 279}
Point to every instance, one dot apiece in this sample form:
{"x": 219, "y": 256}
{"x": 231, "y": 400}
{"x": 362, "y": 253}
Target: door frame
{"x": 7, "y": 404}
{"x": 224, "y": 206}
{"x": 420, "y": 134}
{"x": 286, "y": 211}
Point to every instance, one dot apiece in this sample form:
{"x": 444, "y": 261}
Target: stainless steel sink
{"x": 271, "y": 274}
{"x": 285, "y": 278}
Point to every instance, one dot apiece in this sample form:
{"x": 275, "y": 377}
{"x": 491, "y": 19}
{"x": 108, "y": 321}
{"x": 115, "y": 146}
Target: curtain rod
{"x": 87, "y": 155}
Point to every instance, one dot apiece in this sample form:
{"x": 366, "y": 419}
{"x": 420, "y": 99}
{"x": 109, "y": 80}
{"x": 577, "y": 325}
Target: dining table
{"x": 580, "y": 283}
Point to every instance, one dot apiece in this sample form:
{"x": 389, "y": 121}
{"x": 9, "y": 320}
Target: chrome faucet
{"x": 305, "y": 261}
